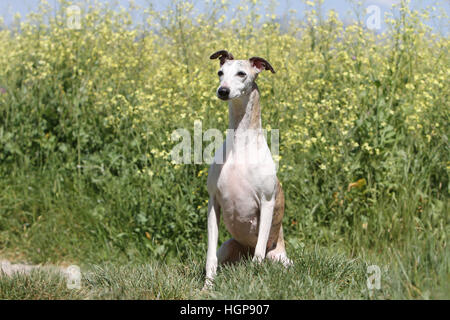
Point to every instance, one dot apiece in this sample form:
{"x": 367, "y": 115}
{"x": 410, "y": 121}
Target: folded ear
{"x": 223, "y": 55}
{"x": 261, "y": 64}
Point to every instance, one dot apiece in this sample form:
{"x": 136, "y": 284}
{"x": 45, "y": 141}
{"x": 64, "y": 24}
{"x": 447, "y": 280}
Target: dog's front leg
{"x": 265, "y": 223}
{"x": 213, "y": 237}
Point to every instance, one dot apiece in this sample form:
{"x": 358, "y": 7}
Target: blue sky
{"x": 9, "y": 7}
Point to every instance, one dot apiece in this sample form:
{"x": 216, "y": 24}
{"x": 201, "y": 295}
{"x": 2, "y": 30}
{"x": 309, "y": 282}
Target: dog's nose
{"x": 223, "y": 92}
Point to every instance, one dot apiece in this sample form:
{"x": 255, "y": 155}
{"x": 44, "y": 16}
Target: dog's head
{"x": 237, "y": 76}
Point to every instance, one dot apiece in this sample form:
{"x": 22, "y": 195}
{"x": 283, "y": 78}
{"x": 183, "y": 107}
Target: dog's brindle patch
{"x": 277, "y": 218}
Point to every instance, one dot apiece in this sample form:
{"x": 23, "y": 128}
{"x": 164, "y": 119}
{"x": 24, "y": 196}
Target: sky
{"x": 9, "y": 7}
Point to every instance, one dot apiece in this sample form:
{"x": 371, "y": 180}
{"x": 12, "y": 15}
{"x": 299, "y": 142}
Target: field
{"x": 86, "y": 174}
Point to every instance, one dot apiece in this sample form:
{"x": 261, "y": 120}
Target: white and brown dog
{"x": 242, "y": 180}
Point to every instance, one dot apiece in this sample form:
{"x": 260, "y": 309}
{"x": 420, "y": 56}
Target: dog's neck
{"x": 245, "y": 112}
{"x": 245, "y": 130}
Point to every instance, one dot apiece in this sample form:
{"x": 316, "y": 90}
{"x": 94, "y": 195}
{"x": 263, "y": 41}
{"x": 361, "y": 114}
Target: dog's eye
{"x": 220, "y": 73}
{"x": 241, "y": 74}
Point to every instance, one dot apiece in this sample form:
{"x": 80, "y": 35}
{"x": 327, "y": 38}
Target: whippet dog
{"x": 242, "y": 180}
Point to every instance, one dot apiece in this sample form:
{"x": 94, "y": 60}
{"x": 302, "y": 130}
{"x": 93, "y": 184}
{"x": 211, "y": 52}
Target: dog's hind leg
{"x": 232, "y": 251}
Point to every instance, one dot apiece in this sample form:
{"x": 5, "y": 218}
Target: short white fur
{"x": 242, "y": 181}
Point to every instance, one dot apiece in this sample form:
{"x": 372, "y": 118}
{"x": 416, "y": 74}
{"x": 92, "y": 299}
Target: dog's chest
{"x": 237, "y": 191}
{"x": 240, "y": 186}
{"x": 240, "y": 203}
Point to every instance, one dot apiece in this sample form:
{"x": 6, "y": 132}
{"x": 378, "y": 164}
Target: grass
{"x": 86, "y": 176}
{"x": 317, "y": 273}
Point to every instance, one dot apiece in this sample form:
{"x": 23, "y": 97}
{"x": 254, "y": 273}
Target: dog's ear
{"x": 261, "y": 64}
{"x": 223, "y": 55}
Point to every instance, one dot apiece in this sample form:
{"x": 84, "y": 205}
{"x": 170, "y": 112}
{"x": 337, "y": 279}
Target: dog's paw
{"x": 258, "y": 259}
{"x": 282, "y": 258}
{"x": 209, "y": 284}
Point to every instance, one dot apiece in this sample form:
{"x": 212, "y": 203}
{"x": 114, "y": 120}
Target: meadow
{"x": 86, "y": 177}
